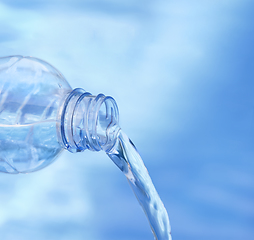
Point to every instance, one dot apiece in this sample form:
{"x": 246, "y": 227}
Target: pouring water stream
{"x": 125, "y": 155}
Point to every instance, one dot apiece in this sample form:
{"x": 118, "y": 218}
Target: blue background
{"x": 182, "y": 73}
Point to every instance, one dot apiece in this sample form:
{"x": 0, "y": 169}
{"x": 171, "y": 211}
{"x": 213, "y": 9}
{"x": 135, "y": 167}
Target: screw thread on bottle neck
{"x": 88, "y": 122}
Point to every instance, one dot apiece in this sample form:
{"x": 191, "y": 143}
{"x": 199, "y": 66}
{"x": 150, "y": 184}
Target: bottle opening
{"x": 88, "y": 122}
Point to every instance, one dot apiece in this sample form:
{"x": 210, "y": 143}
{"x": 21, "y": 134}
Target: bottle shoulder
{"x": 30, "y": 71}
{"x": 31, "y": 90}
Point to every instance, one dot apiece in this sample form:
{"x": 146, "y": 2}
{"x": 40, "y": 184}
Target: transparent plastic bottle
{"x": 40, "y": 115}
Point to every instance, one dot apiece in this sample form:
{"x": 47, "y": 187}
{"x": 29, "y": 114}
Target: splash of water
{"x": 126, "y": 157}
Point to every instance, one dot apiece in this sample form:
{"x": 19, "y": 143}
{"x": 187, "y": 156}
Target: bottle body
{"x": 31, "y": 92}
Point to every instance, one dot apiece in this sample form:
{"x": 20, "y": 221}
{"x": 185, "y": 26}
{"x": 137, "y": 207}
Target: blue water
{"x": 125, "y": 155}
{"x": 182, "y": 75}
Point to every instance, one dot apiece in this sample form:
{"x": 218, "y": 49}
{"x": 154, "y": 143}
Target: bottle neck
{"x": 88, "y": 122}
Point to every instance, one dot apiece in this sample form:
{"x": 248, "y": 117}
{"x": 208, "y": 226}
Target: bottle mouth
{"x": 88, "y": 122}
{"x": 102, "y": 123}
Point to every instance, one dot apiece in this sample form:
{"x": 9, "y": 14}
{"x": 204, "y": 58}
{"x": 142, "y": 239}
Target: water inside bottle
{"x": 126, "y": 157}
{"x": 28, "y": 147}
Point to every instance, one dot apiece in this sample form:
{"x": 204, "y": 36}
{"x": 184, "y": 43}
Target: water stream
{"x": 126, "y": 157}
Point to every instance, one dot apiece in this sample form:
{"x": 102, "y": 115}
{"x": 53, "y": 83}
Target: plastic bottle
{"x": 40, "y": 115}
